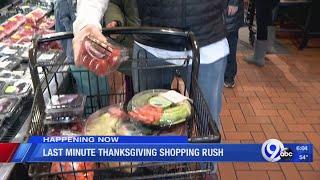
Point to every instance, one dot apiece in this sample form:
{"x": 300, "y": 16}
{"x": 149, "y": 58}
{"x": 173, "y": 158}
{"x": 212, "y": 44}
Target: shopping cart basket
{"x": 201, "y": 128}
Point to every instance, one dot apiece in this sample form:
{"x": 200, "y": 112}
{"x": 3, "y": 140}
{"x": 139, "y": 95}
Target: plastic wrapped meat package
{"x": 9, "y": 50}
{"x": 19, "y": 87}
{"x": 34, "y": 16}
{"x": 12, "y": 24}
{"x": 47, "y": 23}
{"x": 47, "y": 57}
{"x": 101, "y": 58}
{"x": 9, "y": 62}
{"x": 5, "y": 74}
{"x": 7, "y": 107}
{"x": 65, "y": 108}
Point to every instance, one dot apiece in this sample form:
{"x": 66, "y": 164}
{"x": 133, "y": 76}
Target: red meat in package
{"x": 74, "y": 166}
{"x": 12, "y": 24}
{"x": 102, "y": 58}
{"x": 34, "y": 16}
{"x": 47, "y": 23}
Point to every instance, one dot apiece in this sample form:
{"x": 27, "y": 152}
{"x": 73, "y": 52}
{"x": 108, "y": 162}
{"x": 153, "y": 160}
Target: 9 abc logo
{"x": 273, "y": 150}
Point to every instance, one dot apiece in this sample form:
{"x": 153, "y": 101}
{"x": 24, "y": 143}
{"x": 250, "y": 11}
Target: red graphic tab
{"x": 7, "y": 150}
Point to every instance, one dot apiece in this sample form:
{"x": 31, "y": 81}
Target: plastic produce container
{"x": 101, "y": 58}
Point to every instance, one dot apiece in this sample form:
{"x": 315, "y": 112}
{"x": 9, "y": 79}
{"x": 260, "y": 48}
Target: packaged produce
{"x": 104, "y": 121}
{"x": 9, "y": 62}
{"x": 19, "y": 87}
{"x": 101, "y": 58}
{"x": 74, "y": 166}
{"x": 65, "y": 108}
{"x": 160, "y": 108}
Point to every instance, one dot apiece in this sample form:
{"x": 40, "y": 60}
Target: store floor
{"x": 281, "y": 101}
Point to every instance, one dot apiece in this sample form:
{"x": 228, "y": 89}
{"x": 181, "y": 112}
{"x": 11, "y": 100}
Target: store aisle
{"x": 281, "y": 101}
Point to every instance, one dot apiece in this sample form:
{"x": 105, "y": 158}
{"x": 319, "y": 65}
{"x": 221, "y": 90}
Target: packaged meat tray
{"x": 9, "y": 50}
{"x": 101, "y": 58}
{"x": 12, "y": 24}
{"x": 47, "y": 23}
{"x": 155, "y": 108}
{"x": 6, "y": 74}
{"x": 18, "y": 87}
{"x": 47, "y": 57}
{"x": 34, "y": 16}
{"x": 9, "y": 62}
{"x": 65, "y": 108}
{"x": 8, "y": 106}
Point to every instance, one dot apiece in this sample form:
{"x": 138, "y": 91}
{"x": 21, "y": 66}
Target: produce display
{"x": 101, "y": 58}
{"x": 153, "y": 108}
{"x": 65, "y": 108}
{"x": 74, "y": 166}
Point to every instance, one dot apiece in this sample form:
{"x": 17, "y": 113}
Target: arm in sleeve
{"x": 114, "y": 13}
{"x": 89, "y": 12}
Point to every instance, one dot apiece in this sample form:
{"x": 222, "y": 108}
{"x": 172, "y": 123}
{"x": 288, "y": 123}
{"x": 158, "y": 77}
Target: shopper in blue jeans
{"x": 234, "y": 14}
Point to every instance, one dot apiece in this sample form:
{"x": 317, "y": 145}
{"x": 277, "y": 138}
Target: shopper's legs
{"x": 92, "y": 86}
{"x": 231, "y": 69}
{"x": 211, "y": 78}
{"x": 260, "y": 47}
{"x": 149, "y": 78}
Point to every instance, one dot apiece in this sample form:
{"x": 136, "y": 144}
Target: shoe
{"x": 271, "y": 39}
{"x": 229, "y": 83}
{"x": 258, "y": 57}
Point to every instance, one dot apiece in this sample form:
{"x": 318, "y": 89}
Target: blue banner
{"x": 179, "y": 152}
{"x": 109, "y": 139}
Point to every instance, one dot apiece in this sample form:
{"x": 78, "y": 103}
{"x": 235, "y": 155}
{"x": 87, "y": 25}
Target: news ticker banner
{"x": 149, "y": 149}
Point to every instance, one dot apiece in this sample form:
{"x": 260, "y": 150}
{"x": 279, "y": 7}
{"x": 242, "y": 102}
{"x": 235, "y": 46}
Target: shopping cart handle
{"x": 206, "y": 139}
{"x": 120, "y": 30}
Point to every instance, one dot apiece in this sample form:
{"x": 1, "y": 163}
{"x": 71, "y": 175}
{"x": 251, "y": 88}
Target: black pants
{"x": 264, "y": 17}
{"x": 231, "y": 69}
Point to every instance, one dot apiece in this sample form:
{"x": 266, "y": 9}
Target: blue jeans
{"x": 231, "y": 69}
{"x": 65, "y": 16}
{"x": 92, "y": 86}
{"x": 211, "y": 79}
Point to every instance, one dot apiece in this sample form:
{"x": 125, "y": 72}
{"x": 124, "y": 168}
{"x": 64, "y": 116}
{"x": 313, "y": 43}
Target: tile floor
{"x": 282, "y": 101}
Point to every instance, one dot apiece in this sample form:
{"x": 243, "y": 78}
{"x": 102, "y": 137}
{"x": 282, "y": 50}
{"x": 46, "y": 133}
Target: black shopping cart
{"x": 200, "y": 128}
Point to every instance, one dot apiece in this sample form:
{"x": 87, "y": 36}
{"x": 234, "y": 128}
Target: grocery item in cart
{"x": 104, "y": 121}
{"x": 71, "y": 129}
{"x": 160, "y": 108}
{"x": 99, "y": 57}
{"x": 74, "y": 166}
{"x": 46, "y": 57}
{"x": 65, "y": 108}
{"x": 21, "y": 88}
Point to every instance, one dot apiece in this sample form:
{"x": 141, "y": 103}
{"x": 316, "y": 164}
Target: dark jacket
{"x": 234, "y": 22}
{"x": 203, "y": 17}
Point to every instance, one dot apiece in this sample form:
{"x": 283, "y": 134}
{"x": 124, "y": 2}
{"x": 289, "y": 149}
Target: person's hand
{"x": 113, "y": 24}
{"x": 232, "y": 10}
{"x": 79, "y": 37}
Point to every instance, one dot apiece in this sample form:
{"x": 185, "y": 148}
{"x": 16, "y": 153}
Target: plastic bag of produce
{"x": 102, "y": 58}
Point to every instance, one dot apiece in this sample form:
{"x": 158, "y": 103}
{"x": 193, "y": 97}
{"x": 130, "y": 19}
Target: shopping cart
{"x": 200, "y": 128}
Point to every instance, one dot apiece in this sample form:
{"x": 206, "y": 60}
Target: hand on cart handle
{"x": 79, "y": 37}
